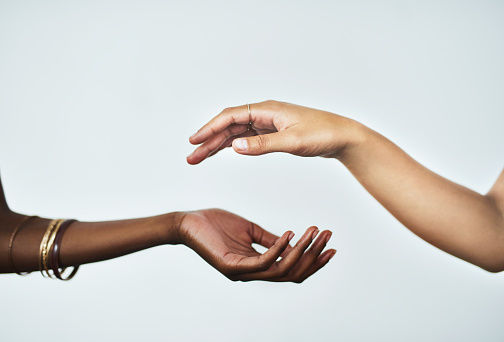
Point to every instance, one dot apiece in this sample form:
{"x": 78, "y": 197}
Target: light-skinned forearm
{"x": 449, "y": 216}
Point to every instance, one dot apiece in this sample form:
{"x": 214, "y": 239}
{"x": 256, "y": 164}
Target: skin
{"x": 449, "y": 216}
{"x": 223, "y": 239}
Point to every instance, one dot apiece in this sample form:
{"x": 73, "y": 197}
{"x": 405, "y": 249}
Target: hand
{"x": 276, "y": 127}
{"x": 225, "y": 240}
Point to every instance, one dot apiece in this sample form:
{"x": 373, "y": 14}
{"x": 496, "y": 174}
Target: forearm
{"x": 449, "y": 216}
{"x": 86, "y": 242}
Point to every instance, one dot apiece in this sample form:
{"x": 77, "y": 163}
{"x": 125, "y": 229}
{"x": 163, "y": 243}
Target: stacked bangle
{"x": 44, "y": 245}
{"x": 55, "y": 259}
{"x": 11, "y": 242}
{"x": 50, "y": 247}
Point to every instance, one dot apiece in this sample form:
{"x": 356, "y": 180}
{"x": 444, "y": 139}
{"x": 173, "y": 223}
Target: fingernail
{"x": 291, "y": 235}
{"x": 192, "y": 136}
{"x": 332, "y": 255}
{"x": 315, "y": 232}
{"x": 328, "y": 237}
{"x": 241, "y": 144}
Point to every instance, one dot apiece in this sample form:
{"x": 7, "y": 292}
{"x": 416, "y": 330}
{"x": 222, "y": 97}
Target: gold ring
{"x": 249, "y": 125}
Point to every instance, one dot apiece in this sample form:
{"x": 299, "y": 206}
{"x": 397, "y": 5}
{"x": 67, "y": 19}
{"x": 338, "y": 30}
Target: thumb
{"x": 262, "y": 144}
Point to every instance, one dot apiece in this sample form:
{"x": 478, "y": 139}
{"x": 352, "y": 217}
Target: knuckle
{"x": 275, "y": 105}
{"x": 262, "y": 141}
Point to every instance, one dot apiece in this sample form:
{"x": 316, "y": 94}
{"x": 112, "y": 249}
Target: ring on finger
{"x": 249, "y": 125}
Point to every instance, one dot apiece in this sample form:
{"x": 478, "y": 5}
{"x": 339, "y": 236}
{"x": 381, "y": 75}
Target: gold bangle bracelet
{"x": 43, "y": 243}
{"x": 23, "y": 221}
{"x": 48, "y": 248}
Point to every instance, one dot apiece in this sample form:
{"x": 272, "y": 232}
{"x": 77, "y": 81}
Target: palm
{"x": 218, "y": 235}
{"x": 225, "y": 241}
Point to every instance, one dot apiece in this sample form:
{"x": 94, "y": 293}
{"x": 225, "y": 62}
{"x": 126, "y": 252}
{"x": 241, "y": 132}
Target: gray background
{"x": 98, "y": 99}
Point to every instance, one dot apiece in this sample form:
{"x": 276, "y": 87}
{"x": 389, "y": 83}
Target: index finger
{"x": 229, "y": 116}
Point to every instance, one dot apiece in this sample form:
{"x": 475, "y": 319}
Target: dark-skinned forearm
{"x": 86, "y": 242}
{"x": 83, "y": 242}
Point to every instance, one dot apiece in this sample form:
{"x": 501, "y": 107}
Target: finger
{"x": 282, "y": 141}
{"x": 266, "y": 239}
{"x": 321, "y": 261}
{"x": 214, "y": 143}
{"x": 309, "y": 257}
{"x": 295, "y": 254}
{"x": 229, "y": 141}
{"x": 229, "y": 116}
{"x": 264, "y": 261}
{"x": 283, "y": 267}
{"x": 286, "y": 251}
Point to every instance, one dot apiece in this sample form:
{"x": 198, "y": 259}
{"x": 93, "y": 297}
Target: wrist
{"x": 358, "y": 138}
{"x": 170, "y": 228}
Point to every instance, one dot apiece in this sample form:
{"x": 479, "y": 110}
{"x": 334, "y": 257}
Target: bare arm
{"x": 83, "y": 242}
{"x": 453, "y": 218}
{"x": 86, "y": 242}
{"x": 223, "y": 239}
{"x": 449, "y": 216}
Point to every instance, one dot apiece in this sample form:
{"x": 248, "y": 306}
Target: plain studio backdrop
{"x": 98, "y": 99}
